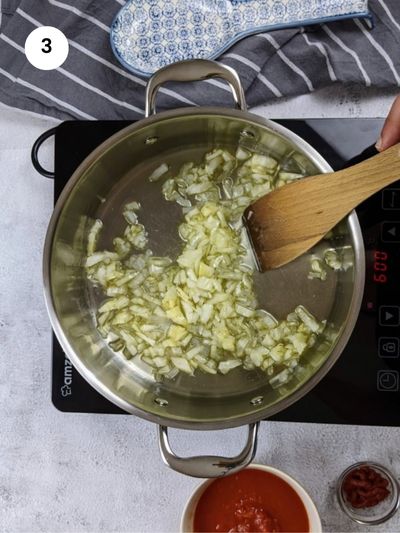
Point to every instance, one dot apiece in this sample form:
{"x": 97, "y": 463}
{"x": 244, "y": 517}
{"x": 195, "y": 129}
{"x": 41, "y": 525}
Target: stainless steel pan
{"x": 115, "y": 173}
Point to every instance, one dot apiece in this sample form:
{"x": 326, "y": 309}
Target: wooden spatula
{"x": 288, "y": 221}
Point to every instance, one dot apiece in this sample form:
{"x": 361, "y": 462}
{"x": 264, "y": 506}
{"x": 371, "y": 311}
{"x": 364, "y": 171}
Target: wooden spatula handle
{"x": 327, "y": 198}
{"x": 370, "y": 176}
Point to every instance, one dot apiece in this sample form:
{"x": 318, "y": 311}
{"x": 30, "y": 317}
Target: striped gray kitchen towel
{"x": 92, "y": 84}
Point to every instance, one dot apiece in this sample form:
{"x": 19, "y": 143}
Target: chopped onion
{"x": 317, "y": 269}
{"x": 93, "y": 236}
{"x": 198, "y": 312}
{"x": 158, "y": 172}
{"x": 335, "y": 259}
{"x": 332, "y": 260}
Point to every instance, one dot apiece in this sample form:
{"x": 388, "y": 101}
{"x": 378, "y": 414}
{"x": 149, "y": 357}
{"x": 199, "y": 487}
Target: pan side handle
{"x": 194, "y": 70}
{"x": 208, "y": 466}
{"x": 35, "y": 153}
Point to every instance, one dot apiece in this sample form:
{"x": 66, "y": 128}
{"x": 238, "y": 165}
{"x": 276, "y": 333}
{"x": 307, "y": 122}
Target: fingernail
{"x": 378, "y": 144}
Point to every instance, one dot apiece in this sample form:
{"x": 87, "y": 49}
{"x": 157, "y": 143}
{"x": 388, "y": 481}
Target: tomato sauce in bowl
{"x": 251, "y": 500}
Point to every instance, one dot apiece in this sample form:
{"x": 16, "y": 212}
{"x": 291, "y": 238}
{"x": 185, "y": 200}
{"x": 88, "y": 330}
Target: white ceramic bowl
{"x": 313, "y": 516}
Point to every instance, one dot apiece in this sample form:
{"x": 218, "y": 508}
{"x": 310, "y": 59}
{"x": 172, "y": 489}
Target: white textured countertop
{"x": 74, "y": 472}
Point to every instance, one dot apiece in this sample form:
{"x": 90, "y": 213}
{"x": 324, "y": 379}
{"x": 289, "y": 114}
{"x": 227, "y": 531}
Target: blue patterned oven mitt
{"x": 149, "y": 34}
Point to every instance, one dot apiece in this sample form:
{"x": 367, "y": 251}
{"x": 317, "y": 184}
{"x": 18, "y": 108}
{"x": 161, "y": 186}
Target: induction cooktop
{"x": 363, "y": 387}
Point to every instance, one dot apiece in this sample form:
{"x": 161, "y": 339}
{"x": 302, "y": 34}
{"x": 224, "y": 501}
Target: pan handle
{"x": 35, "y": 149}
{"x": 193, "y": 70}
{"x": 208, "y": 465}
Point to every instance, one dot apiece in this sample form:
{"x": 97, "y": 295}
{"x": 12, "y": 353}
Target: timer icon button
{"x": 388, "y": 380}
{"x": 390, "y": 231}
{"x": 388, "y": 347}
{"x": 389, "y": 315}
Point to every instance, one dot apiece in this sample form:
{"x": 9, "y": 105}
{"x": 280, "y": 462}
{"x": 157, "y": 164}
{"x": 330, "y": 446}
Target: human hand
{"x": 390, "y": 134}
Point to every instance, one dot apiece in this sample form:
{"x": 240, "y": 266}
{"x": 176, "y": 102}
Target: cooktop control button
{"x": 388, "y": 380}
{"x": 388, "y": 347}
{"x": 390, "y": 231}
{"x": 391, "y": 198}
{"x": 389, "y": 315}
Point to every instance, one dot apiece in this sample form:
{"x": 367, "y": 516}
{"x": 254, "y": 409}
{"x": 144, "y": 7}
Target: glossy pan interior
{"x": 116, "y": 173}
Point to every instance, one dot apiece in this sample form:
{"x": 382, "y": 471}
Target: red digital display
{"x": 380, "y": 266}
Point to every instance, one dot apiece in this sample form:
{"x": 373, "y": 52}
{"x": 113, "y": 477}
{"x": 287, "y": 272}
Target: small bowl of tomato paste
{"x": 257, "y": 499}
{"x": 368, "y": 493}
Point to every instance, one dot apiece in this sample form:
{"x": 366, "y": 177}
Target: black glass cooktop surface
{"x": 364, "y": 385}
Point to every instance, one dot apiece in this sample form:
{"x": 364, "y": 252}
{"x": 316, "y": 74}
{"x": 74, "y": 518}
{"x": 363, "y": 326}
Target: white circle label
{"x": 46, "y": 48}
